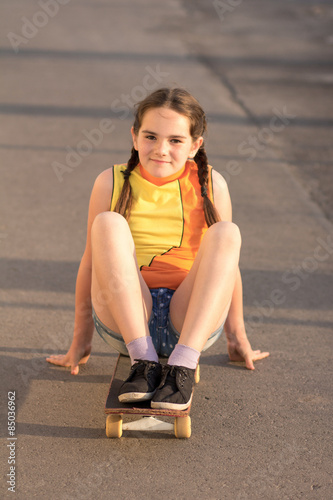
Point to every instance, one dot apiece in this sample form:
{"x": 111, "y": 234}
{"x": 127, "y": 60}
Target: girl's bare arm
{"x": 80, "y": 348}
{"x": 239, "y": 348}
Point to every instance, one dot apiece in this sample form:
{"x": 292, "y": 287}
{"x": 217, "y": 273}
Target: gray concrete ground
{"x": 263, "y": 72}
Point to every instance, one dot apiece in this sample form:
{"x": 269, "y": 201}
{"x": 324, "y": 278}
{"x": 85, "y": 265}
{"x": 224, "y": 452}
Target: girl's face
{"x": 164, "y": 142}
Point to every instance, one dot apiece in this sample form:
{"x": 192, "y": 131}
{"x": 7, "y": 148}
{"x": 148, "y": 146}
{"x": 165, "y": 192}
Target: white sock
{"x": 183, "y": 355}
{"x": 142, "y": 348}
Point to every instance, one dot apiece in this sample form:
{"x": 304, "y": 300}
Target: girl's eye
{"x": 150, "y": 137}
{"x": 176, "y": 141}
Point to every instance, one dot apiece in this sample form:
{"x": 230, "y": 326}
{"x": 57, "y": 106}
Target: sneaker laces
{"x": 173, "y": 370}
{"x": 144, "y": 366}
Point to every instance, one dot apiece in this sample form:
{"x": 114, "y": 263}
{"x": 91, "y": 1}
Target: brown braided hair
{"x": 211, "y": 214}
{"x": 184, "y": 103}
{"x": 124, "y": 202}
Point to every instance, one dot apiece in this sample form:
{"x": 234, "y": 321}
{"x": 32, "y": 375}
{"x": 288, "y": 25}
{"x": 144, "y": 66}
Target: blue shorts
{"x": 163, "y": 333}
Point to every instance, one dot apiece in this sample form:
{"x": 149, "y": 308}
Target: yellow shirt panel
{"x": 154, "y": 232}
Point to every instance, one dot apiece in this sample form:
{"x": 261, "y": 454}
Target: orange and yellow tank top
{"x": 167, "y": 221}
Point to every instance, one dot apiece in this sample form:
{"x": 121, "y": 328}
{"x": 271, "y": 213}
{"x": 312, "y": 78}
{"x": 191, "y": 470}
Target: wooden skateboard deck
{"x": 115, "y": 410}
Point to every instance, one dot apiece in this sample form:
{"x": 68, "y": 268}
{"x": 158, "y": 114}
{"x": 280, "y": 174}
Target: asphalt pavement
{"x": 71, "y": 72}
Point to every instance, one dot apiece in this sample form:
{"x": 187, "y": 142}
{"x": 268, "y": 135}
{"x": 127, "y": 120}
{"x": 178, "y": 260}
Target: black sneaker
{"x": 143, "y": 380}
{"x": 176, "y": 388}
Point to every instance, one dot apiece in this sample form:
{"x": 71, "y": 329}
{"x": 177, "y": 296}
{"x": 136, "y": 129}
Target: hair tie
{"x": 126, "y": 174}
{"x": 203, "y": 191}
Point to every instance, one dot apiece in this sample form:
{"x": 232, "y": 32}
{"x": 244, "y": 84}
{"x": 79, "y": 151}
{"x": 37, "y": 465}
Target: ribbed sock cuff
{"x": 182, "y": 355}
{"x": 142, "y": 348}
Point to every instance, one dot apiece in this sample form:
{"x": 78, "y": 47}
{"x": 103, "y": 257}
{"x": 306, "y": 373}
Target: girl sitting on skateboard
{"x": 159, "y": 275}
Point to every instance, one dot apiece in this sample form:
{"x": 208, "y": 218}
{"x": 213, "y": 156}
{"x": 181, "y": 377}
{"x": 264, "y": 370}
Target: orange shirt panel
{"x": 169, "y": 269}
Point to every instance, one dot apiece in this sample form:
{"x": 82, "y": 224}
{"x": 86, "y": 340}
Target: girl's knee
{"x": 111, "y": 230}
{"x": 225, "y": 232}
{"x": 106, "y": 222}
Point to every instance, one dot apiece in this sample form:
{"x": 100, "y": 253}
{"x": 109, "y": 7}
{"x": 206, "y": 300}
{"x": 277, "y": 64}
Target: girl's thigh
{"x": 101, "y": 299}
{"x": 179, "y": 306}
{"x": 180, "y": 302}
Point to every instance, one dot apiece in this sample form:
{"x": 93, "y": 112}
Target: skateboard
{"x": 115, "y": 410}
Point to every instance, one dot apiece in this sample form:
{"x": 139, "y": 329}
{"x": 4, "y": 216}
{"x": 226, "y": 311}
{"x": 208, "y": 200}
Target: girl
{"x": 159, "y": 275}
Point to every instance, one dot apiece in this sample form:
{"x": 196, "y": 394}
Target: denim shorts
{"x": 163, "y": 333}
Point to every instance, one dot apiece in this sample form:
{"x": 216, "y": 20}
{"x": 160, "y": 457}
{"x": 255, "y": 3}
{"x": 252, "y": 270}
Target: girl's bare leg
{"x": 120, "y": 297}
{"x": 201, "y": 302}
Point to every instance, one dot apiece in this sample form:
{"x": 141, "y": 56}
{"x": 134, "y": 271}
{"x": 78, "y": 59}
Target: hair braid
{"x": 211, "y": 214}
{"x": 124, "y": 202}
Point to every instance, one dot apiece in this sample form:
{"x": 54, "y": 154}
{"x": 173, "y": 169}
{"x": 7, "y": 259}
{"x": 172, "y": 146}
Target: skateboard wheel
{"x": 183, "y": 427}
{"x": 114, "y": 426}
{"x": 197, "y": 374}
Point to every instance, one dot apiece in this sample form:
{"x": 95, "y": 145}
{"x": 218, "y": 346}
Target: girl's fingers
{"x": 60, "y": 360}
{"x": 56, "y": 362}
{"x": 56, "y": 359}
{"x": 254, "y": 356}
{"x": 262, "y": 355}
{"x": 75, "y": 370}
{"x": 55, "y": 356}
{"x": 249, "y": 362}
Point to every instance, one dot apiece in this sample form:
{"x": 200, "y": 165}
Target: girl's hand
{"x": 239, "y": 349}
{"x": 77, "y": 355}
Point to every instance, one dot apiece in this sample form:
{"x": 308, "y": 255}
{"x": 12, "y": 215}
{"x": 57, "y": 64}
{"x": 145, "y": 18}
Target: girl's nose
{"x": 162, "y": 148}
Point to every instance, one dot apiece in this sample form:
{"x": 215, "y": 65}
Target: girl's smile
{"x": 164, "y": 142}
